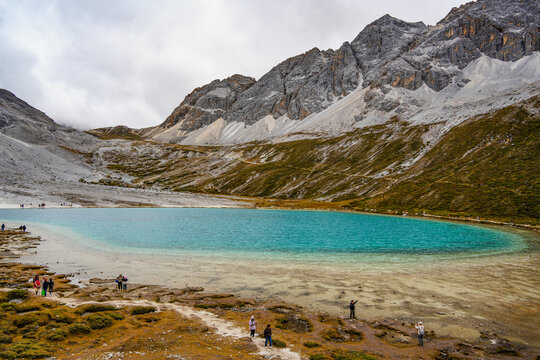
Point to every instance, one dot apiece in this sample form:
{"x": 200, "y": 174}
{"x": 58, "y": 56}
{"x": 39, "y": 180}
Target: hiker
{"x": 252, "y": 326}
{"x": 51, "y": 285}
{"x": 3, "y": 227}
{"x": 420, "y": 328}
{"x": 45, "y": 287}
{"x": 124, "y": 282}
{"x": 37, "y": 284}
{"x": 24, "y": 228}
{"x": 119, "y": 281}
{"x": 352, "y": 315}
{"x": 268, "y": 335}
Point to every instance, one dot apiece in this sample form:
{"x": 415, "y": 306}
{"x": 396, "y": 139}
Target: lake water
{"x": 298, "y": 235}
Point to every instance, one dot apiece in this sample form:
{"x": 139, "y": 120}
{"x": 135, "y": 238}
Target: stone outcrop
{"x": 387, "y": 52}
{"x": 206, "y": 104}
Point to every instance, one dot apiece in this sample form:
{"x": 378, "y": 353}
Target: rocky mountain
{"x": 330, "y": 92}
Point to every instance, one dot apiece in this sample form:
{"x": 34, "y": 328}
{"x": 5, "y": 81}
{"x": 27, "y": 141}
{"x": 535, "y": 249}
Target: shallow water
{"x": 267, "y": 234}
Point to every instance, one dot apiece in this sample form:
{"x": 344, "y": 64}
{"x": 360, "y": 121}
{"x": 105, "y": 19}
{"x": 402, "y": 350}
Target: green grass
{"x": 486, "y": 167}
{"x": 140, "y": 310}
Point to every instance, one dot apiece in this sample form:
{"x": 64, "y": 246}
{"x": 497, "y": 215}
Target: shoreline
{"x": 445, "y": 287}
{"x": 370, "y": 304}
{"x": 253, "y": 205}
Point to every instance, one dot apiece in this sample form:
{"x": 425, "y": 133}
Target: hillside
{"x": 486, "y": 166}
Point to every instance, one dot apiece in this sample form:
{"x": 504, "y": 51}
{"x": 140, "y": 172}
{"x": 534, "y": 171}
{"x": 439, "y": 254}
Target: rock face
{"x": 205, "y": 105}
{"x": 23, "y": 122}
{"x": 388, "y": 53}
{"x": 504, "y": 30}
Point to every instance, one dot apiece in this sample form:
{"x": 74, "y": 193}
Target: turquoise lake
{"x": 262, "y": 233}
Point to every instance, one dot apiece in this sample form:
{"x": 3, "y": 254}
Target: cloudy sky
{"x": 100, "y": 63}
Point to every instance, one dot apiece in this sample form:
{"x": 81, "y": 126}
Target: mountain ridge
{"x": 387, "y": 54}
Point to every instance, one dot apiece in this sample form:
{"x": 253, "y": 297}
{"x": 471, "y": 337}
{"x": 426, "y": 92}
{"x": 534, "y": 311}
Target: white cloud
{"x": 102, "y": 63}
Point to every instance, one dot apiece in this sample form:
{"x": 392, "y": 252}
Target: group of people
{"x": 44, "y": 286}
{"x": 22, "y": 227}
{"x": 267, "y": 331}
{"x": 121, "y": 282}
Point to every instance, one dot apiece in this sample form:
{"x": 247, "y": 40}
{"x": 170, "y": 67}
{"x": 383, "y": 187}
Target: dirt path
{"x": 221, "y": 327}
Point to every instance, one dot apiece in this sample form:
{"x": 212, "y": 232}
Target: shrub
{"x": 77, "y": 329}
{"x": 93, "y": 308}
{"x": 10, "y": 355}
{"x": 17, "y": 294}
{"x": 28, "y": 349}
{"x": 333, "y": 335}
{"x": 22, "y": 308}
{"x": 319, "y": 357}
{"x": 57, "y": 335}
{"x": 61, "y": 317}
{"x": 5, "y": 339}
{"x": 311, "y": 344}
{"x": 28, "y": 319}
{"x": 352, "y": 355}
{"x": 99, "y": 321}
{"x": 139, "y": 310}
{"x": 8, "y": 307}
{"x": 278, "y": 343}
{"x": 116, "y": 316}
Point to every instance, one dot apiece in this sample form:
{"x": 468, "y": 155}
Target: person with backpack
{"x": 268, "y": 335}
{"x": 352, "y": 314}
{"x": 420, "y": 329}
{"x": 252, "y": 326}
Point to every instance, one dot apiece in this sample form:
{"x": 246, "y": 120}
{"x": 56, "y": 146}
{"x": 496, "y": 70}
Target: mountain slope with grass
{"x": 486, "y": 166}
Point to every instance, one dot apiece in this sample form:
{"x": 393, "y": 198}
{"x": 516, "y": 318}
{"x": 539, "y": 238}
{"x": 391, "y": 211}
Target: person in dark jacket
{"x": 268, "y": 335}
{"x": 44, "y": 287}
{"x": 3, "y": 227}
{"x": 352, "y": 315}
{"x": 51, "y": 285}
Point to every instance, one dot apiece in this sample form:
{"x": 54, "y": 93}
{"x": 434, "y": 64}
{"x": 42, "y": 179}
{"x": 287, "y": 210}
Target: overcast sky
{"x": 100, "y": 63}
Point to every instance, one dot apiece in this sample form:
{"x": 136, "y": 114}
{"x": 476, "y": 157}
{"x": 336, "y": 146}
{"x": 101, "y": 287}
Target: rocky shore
{"x": 97, "y": 321}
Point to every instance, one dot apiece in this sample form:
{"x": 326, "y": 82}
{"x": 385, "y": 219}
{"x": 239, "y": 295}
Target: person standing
{"x": 252, "y": 326}
{"x": 119, "y": 281}
{"x": 3, "y": 227}
{"x": 51, "y": 285}
{"x": 124, "y": 282}
{"x": 268, "y": 335}
{"x": 420, "y": 329}
{"x": 37, "y": 284}
{"x": 44, "y": 287}
{"x": 352, "y": 314}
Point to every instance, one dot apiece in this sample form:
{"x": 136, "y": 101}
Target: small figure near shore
{"x": 124, "y": 282}
{"x": 37, "y": 284}
{"x": 268, "y": 335}
{"x": 420, "y": 329}
{"x": 51, "y": 285}
{"x": 352, "y": 314}
{"x": 252, "y": 326}
{"x": 119, "y": 281}
{"x": 44, "y": 287}
{"x": 3, "y": 227}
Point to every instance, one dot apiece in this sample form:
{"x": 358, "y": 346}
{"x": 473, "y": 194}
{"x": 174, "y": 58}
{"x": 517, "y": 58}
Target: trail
{"x": 221, "y": 327}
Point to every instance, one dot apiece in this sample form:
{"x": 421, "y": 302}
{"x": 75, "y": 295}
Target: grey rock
{"x": 387, "y": 53}
{"x": 206, "y": 104}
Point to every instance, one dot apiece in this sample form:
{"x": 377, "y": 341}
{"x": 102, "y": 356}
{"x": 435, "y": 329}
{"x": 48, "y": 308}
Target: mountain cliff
{"x": 330, "y": 92}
